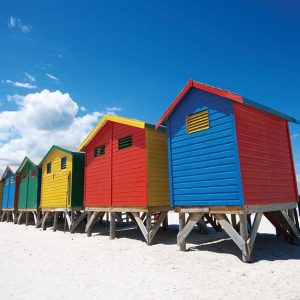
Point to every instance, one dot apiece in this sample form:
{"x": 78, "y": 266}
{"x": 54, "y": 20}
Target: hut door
{"x": 5, "y": 192}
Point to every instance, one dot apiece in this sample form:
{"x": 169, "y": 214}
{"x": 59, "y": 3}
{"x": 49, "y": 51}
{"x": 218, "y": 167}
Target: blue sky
{"x": 133, "y": 57}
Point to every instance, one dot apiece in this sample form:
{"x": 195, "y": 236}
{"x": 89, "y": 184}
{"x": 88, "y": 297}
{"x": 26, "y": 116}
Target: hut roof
{"x": 34, "y": 160}
{"x": 104, "y": 120}
{"x": 223, "y": 93}
{"x": 13, "y": 169}
{"x": 67, "y": 149}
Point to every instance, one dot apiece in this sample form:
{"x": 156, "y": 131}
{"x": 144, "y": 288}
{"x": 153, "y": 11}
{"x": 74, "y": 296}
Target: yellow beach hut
{"x": 62, "y": 185}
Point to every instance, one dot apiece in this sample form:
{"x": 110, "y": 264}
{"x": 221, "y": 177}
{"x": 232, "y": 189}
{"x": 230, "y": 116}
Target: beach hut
{"x": 229, "y": 155}
{"x": 9, "y": 193}
{"x": 29, "y": 189}
{"x": 62, "y": 185}
{"x": 126, "y": 171}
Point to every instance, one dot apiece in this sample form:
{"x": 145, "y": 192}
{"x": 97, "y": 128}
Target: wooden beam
{"x": 148, "y": 227}
{"x": 191, "y": 222}
{"x": 27, "y": 218}
{"x": 231, "y": 231}
{"x": 291, "y": 224}
{"x": 20, "y": 217}
{"x": 55, "y": 220}
{"x": 45, "y": 219}
{"x": 34, "y": 217}
{"x": 182, "y": 245}
{"x": 253, "y": 234}
{"x": 269, "y": 207}
{"x": 112, "y": 226}
{"x": 156, "y": 226}
{"x": 140, "y": 225}
{"x": 77, "y": 221}
{"x": 244, "y": 234}
{"x": 91, "y": 221}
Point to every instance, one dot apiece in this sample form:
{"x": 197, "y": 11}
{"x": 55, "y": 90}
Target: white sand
{"x": 48, "y": 265}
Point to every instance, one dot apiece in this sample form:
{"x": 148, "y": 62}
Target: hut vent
{"x": 48, "y": 168}
{"x": 12, "y": 180}
{"x": 197, "y": 122}
{"x": 63, "y": 163}
{"x": 99, "y": 151}
{"x": 32, "y": 173}
{"x": 125, "y": 142}
{"x": 24, "y": 176}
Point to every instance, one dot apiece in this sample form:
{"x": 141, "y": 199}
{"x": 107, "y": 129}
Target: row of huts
{"x": 211, "y": 154}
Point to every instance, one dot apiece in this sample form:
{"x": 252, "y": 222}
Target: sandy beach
{"x": 47, "y": 265}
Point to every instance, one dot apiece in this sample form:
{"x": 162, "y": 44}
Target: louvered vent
{"x": 32, "y": 173}
{"x": 99, "y": 151}
{"x": 63, "y": 163}
{"x": 197, "y": 122}
{"x": 125, "y": 142}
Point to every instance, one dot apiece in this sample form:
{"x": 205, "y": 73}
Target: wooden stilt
{"x": 244, "y": 234}
{"x": 233, "y": 221}
{"x": 20, "y": 217}
{"x": 165, "y": 222}
{"x": 27, "y": 218}
{"x": 182, "y": 245}
{"x": 112, "y": 228}
{"x": 77, "y": 221}
{"x": 148, "y": 227}
{"x": 55, "y": 221}
{"x": 45, "y": 220}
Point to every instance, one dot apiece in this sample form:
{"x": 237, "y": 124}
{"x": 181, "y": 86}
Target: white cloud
{"x": 112, "y": 110}
{"x": 41, "y": 120}
{"x": 51, "y": 77}
{"x": 295, "y": 135}
{"x": 30, "y": 77}
{"x": 24, "y": 85}
{"x": 82, "y": 108}
{"x": 15, "y": 22}
{"x": 298, "y": 179}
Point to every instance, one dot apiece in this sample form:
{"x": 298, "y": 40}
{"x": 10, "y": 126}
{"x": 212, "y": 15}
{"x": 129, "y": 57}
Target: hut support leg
{"x": 112, "y": 227}
{"x": 242, "y": 240}
{"x": 45, "y": 219}
{"x": 192, "y": 220}
{"x": 27, "y": 218}
{"x": 14, "y": 216}
{"x": 165, "y": 223}
{"x": 34, "y": 217}
{"x": 182, "y": 246}
{"x": 291, "y": 224}
{"x": 202, "y": 226}
{"x": 7, "y": 216}
{"x": 77, "y": 221}
{"x": 92, "y": 218}
{"x": 2, "y": 217}
{"x": 55, "y": 220}
{"x": 19, "y": 218}
{"x": 149, "y": 231}
{"x": 68, "y": 219}
{"x": 38, "y": 219}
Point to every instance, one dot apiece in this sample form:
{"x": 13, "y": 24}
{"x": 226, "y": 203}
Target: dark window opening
{"x": 24, "y": 176}
{"x": 32, "y": 173}
{"x": 63, "y": 163}
{"x": 48, "y": 168}
{"x": 99, "y": 151}
{"x": 125, "y": 142}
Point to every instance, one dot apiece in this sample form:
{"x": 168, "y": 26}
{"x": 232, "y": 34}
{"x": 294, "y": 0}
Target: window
{"x": 7, "y": 181}
{"x": 99, "y": 151}
{"x": 63, "y": 162}
{"x": 32, "y": 173}
{"x": 48, "y": 168}
{"x": 24, "y": 176}
{"x": 197, "y": 122}
{"x": 12, "y": 179}
{"x": 125, "y": 142}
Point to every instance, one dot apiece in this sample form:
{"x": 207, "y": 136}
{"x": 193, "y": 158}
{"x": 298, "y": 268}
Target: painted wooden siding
{"x": 129, "y": 177}
{"x": 9, "y": 190}
{"x": 55, "y": 186}
{"x": 33, "y": 197}
{"x": 204, "y": 166}
{"x": 23, "y": 186}
{"x": 97, "y": 181}
{"x": 266, "y": 159}
{"x": 157, "y": 159}
{"x": 77, "y": 180}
